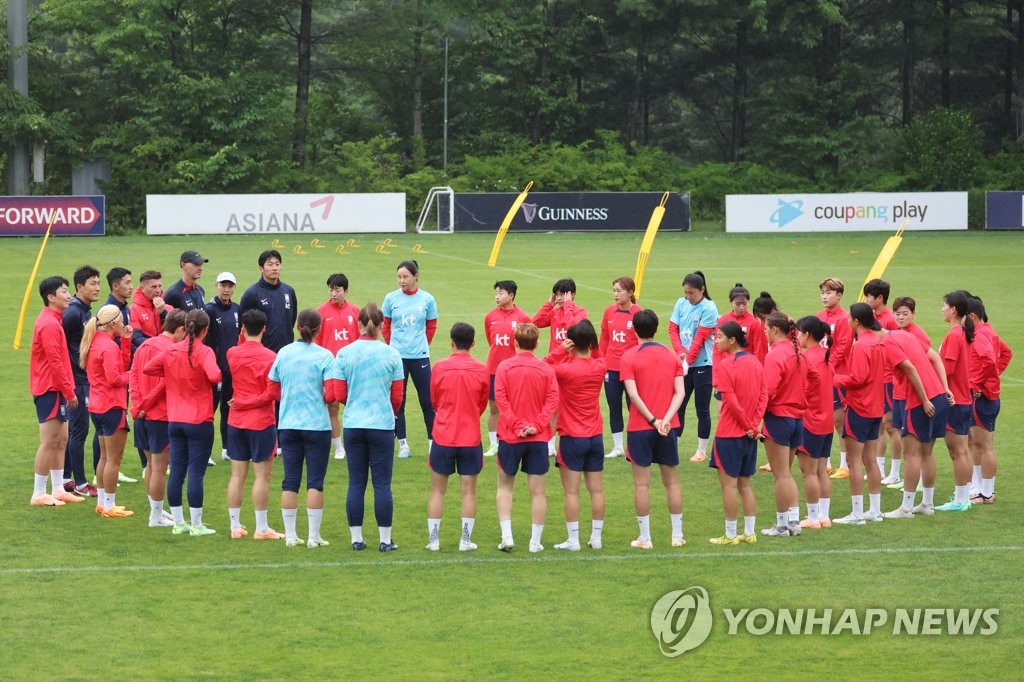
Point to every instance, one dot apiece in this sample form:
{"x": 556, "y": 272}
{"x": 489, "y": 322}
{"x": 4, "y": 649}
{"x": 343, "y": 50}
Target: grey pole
{"x": 17, "y": 77}
{"x": 444, "y": 160}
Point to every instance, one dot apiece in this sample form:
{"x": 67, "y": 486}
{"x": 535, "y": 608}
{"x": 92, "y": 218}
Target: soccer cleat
{"x": 403, "y": 453}
{"x": 678, "y": 541}
{"x": 181, "y": 529}
{"x": 268, "y": 534}
{"x": 615, "y": 452}
{"x": 839, "y": 474}
{"x": 825, "y": 523}
{"x": 699, "y": 457}
{"x": 45, "y": 500}
{"x": 294, "y": 542}
{"x": 491, "y": 451}
{"x": 594, "y": 543}
{"x": 851, "y": 520}
{"x": 200, "y": 530}
{"x": 121, "y": 478}
{"x": 86, "y": 490}
{"x": 899, "y": 513}
{"x": 810, "y": 525}
{"x": 725, "y": 540}
{"x": 211, "y": 463}
{"x": 924, "y": 509}
{"x": 166, "y": 515}
{"x": 794, "y": 529}
{"x": 640, "y": 543}
{"x": 890, "y": 479}
{"x": 161, "y": 523}
{"x": 388, "y": 547}
{"x": 954, "y": 506}
{"x": 313, "y": 543}
{"x": 874, "y": 517}
{"x": 69, "y": 486}
{"x": 568, "y": 545}
{"x": 64, "y": 496}
{"x": 433, "y": 546}
{"x": 536, "y": 547}
{"x": 359, "y": 545}
{"x": 339, "y": 453}
{"x": 895, "y": 485}
{"x": 765, "y": 467}
{"x": 748, "y": 539}
{"x": 116, "y": 513}
{"x": 506, "y": 545}
{"x": 466, "y": 546}
{"x": 99, "y": 508}
{"x": 981, "y": 499}
{"x": 239, "y": 533}
{"x": 776, "y": 532}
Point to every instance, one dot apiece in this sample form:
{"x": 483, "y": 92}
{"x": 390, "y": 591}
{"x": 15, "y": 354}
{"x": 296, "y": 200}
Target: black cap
{"x": 192, "y": 257}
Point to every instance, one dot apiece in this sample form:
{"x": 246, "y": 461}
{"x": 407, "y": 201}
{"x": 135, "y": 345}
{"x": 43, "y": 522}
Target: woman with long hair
{"x": 813, "y": 452}
{"x": 617, "y": 337}
{"x": 956, "y": 358}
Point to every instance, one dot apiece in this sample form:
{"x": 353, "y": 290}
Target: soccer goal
{"x": 439, "y": 220}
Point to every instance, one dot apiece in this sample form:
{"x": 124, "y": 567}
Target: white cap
{"x": 226, "y": 277}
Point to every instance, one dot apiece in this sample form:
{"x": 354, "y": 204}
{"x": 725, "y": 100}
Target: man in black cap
{"x": 186, "y": 294}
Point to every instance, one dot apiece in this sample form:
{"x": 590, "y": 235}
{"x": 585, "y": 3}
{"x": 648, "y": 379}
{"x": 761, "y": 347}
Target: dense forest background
{"x": 706, "y": 96}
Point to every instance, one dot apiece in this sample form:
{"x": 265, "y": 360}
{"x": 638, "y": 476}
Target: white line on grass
{"x": 478, "y": 559}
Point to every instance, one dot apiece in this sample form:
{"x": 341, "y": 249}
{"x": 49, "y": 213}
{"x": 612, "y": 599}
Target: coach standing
{"x": 186, "y": 294}
{"x": 223, "y": 336}
{"x": 74, "y": 319}
{"x": 275, "y": 298}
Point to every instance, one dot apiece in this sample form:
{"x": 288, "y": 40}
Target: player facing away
{"x": 617, "y": 337}
{"x": 864, "y": 404}
{"x": 500, "y": 327}
{"x": 814, "y": 452}
{"x": 990, "y": 358}
{"x": 339, "y": 327}
{"x": 956, "y": 358}
{"x": 655, "y": 385}
{"x": 876, "y": 295}
{"x": 903, "y": 309}
{"x": 840, "y": 342}
{"x": 410, "y": 320}
{"x": 526, "y": 391}
{"x": 691, "y": 331}
{"x": 580, "y": 445}
{"x": 740, "y": 380}
{"x": 53, "y": 391}
{"x": 459, "y": 386}
{"x": 252, "y": 426}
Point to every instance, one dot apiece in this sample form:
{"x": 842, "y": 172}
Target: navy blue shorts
{"x": 531, "y": 458}
{"x": 899, "y": 413}
{"x": 736, "y": 457}
{"x": 959, "y": 419}
{"x": 924, "y": 428}
{"x": 246, "y": 445}
{"x": 446, "y": 460}
{"x": 51, "y": 405}
{"x": 110, "y": 422}
{"x": 581, "y": 454}
{"x": 818, "y": 447}
{"x": 985, "y": 413}
{"x": 838, "y": 395}
{"x": 861, "y": 429}
{"x": 648, "y": 447}
{"x": 788, "y": 431}
{"x": 490, "y": 391}
{"x": 887, "y": 393}
{"x": 151, "y": 435}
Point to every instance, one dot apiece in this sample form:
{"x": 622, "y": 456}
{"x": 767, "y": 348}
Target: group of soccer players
{"x": 868, "y": 373}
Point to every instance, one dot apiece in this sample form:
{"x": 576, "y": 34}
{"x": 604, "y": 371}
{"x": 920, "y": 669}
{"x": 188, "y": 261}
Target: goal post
{"x": 438, "y": 213}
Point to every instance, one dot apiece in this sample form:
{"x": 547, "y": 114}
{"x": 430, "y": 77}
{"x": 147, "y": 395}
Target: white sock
{"x": 314, "y": 517}
{"x": 824, "y": 508}
{"x": 749, "y": 525}
{"x": 782, "y": 519}
{"x": 235, "y": 517}
{"x": 645, "y": 526}
{"x": 702, "y": 445}
{"x": 875, "y": 501}
{"x": 988, "y": 486}
{"x": 551, "y": 445}
{"x": 908, "y": 500}
{"x": 356, "y": 532}
{"x": 385, "y": 534}
{"x": 338, "y": 446}
{"x": 403, "y": 442}
{"x": 195, "y": 515}
{"x": 617, "y": 440}
{"x": 572, "y": 529}
{"x": 261, "y": 521}
{"x": 288, "y": 516}
{"x": 794, "y": 515}
{"x": 108, "y": 500}
{"x": 730, "y": 528}
{"x": 506, "y": 529}
{"x": 467, "y": 528}
{"x": 677, "y": 525}
{"x": 492, "y": 437}
{"x": 961, "y": 493}
{"x": 433, "y": 530}
{"x": 56, "y": 481}
{"x": 812, "y": 511}
{"x": 596, "y": 526}
{"x": 842, "y": 460}
{"x": 881, "y": 464}
{"x": 536, "y": 530}
{"x": 894, "y": 468}
{"x": 928, "y": 497}
{"x": 178, "y": 513}
{"x": 155, "y": 510}
{"x": 976, "y": 477}
{"x": 39, "y": 485}
{"x": 858, "y": 505}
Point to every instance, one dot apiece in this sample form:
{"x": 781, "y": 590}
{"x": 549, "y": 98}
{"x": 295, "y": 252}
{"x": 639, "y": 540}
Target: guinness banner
{"x": 571, "y": 211}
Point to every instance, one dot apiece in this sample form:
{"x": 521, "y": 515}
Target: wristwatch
{"x": 652, "y": 420}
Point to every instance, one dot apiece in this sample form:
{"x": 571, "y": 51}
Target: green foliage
{"x": 942, "y": 151}
{"x": 709, "y": 183}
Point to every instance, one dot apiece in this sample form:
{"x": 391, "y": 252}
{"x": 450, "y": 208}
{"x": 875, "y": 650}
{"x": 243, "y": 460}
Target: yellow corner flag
{"x": 505, "y": 224}
{"x": 884, "y": 256}
{"x": 31, "y": 280}
{"x": 645, "y": 247}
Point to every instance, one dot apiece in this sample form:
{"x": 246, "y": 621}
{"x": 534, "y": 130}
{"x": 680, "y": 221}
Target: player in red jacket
{"x": 499, "y": 328}
{"x": 817, "y": 443}
{"x": 956, "y": 358}
{"x": 840, "y": 344}
{"x": 459, "y": 386}
{"x": 339, "y": 327}
{"x": 617, "y": 337}
{"x": 876, "y": 295}
{"x": 990, "y": 358}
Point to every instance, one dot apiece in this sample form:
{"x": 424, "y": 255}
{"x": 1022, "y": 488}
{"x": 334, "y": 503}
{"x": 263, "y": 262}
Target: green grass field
{"x": 85, "y": 597}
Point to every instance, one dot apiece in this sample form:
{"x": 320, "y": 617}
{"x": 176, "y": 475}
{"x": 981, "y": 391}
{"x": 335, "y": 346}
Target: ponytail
{"x": 195, "y": 322}
{"x": 104, "y": 316}
{"x": 785, "y": 324}
{"x": 371, "y": 319}
{"x": 959, "y": 301}
{"x": 309, "y": 322}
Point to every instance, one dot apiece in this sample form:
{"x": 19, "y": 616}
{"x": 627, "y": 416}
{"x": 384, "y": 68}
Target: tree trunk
{"x": 907, "y": 75}
{"x": 739, "y": 90}
{"x": 947, "y": 13}
{"x": 305, "y": 49}
{"x": 417, "y": 83}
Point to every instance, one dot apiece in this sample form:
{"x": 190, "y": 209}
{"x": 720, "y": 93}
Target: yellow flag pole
{"x": 645, "y": 247}
{"x": 884, "y": 256}
{"x": 505, "y": 224}
{"x": 31, "y": 280}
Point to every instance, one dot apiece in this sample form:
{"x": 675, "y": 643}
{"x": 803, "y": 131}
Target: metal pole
{"x": 444, "y": 160}
{"x": 17, "y": 77}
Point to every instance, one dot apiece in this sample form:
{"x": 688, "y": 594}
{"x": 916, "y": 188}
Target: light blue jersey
{"x": 409, "y": 314}
{"x": 301, "y": 368}
{"x": 369, "y": 367}
{"x": 689, "y": 317}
